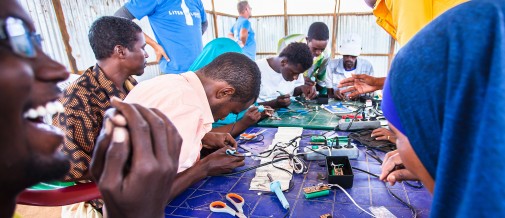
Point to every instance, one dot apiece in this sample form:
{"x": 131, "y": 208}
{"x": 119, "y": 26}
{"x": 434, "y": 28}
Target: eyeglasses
{"x": 22, "y": 41}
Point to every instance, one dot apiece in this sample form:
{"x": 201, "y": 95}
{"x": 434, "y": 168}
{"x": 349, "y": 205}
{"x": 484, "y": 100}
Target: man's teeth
{"x": 50, "y": 109}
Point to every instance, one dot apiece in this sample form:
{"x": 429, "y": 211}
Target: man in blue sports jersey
{"x": 178, "y": 26}
{"x": 242, "y": 32}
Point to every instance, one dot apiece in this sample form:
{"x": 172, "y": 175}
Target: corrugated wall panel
{"x": 42, "y": 13}
{"x": 268, "y": 32}
{"x": 301, "y": 24}
{"x": 224, "y": 24}
{"x": 374, "y": 39}
{"x": 80, "y": 14}
{"x": 209, "y": 34}
{"x": 149, "y": 72}
{"x": 379, "y": 63}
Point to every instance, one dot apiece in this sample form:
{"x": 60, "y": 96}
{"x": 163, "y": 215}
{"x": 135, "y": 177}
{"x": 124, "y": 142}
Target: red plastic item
{"x": 59, "y": 197}
{"x": 351, "y": 116}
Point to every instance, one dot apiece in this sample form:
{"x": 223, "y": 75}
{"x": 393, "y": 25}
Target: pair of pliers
{"x": 284, "y": 110}
{"x": 302, "y": 111}
{"x": 235, "y": 199}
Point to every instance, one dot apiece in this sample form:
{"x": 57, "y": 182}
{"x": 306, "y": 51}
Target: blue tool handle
{"x": 275, "y": 186}
{"x": 230, "y": 152}
{"x": 261, "y": 108}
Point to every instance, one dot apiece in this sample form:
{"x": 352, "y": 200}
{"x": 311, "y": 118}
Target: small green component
{"x": 317, "y": 139}
{"x": 317, "y": 194}
{"x": 315, "y": 147}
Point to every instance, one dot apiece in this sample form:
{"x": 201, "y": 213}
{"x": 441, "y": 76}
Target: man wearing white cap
{"x": 339, "y": 69}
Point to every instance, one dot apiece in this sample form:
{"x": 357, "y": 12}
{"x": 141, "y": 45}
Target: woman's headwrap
{"x": 447, "y": 88}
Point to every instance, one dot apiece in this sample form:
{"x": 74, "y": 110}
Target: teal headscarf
{"x": 448, "y": 87}
{"x": 213, "y": 49}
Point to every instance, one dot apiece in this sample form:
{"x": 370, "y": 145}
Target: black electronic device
{"x": 365, "y": 138}
{"x": 322, "y": 99}
{"x": 339, "y": 171}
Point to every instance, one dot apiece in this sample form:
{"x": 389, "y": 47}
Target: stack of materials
{"x": 282, "y": 138}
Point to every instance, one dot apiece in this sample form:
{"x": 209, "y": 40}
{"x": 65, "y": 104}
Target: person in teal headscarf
{"x": 233, "y": 123}
{"x": 445, "y": 100}
{"x": 213, "y": 49}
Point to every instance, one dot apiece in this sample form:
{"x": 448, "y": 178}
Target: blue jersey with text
{"x": 177, "y": 26}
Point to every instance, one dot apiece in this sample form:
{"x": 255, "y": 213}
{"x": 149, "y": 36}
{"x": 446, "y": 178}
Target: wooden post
{"x": 285, "y": 17}
{"x": 216, "y": 34}
{"x": 335, "y": 28}
{"x": 64, "y": 34}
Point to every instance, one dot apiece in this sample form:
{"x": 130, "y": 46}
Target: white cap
{"x": 351, "y": 45}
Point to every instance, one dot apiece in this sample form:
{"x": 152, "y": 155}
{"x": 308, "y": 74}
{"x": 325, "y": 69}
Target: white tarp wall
{"x": 353, "y": 16}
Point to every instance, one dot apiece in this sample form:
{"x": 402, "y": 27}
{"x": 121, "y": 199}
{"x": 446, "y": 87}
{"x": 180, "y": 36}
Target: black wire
{"x": 317, "y": 151}
{"x": 362, "y": 107}
{"x": 412, "y": 209}
{"x": 364, "y": 171}
{"x": 287, "y": 213}
{"x": 374, "y": 155}
{"x": 414, "y": 212}
{"x": 418, "y": 186}
{"x": 287, "y": 171}
{"x": 252, "y": 168}
{"x": 279, "y": 144}
{"x": 242, "y": 147}
{"x": 233, "y": 127}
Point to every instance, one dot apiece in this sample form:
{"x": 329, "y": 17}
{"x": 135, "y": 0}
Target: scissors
{"x": 221, "y": 207}
{"x": 249, "y": 136}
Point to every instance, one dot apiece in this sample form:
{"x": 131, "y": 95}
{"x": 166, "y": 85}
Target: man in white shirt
{"x": 280, "y": 76}
{"x": 339, "y": 69}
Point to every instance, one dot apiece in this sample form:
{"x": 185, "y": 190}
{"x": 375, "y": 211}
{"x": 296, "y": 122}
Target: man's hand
{"x": 393, "y": 170}
{"x": 139, "y": 146}
{"x": 383, "y": 134}
{"x": 360, "y": 84}
{"x": 219, "y": 162}
{"x": 309, "y": 91}
{"x": 268, "y": 112}
{"x": 251, "y": 117}
{"x": 160, "y": 52}
{"x": 283, "y": 101}
{"x": 309, "y": 82}
{"x": 338, "y": 95}
{"x": 217, "y": 140}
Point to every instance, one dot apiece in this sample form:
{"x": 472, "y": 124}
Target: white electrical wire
{"x": 349, "y": 196}
{"x": 298, "y": 165}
